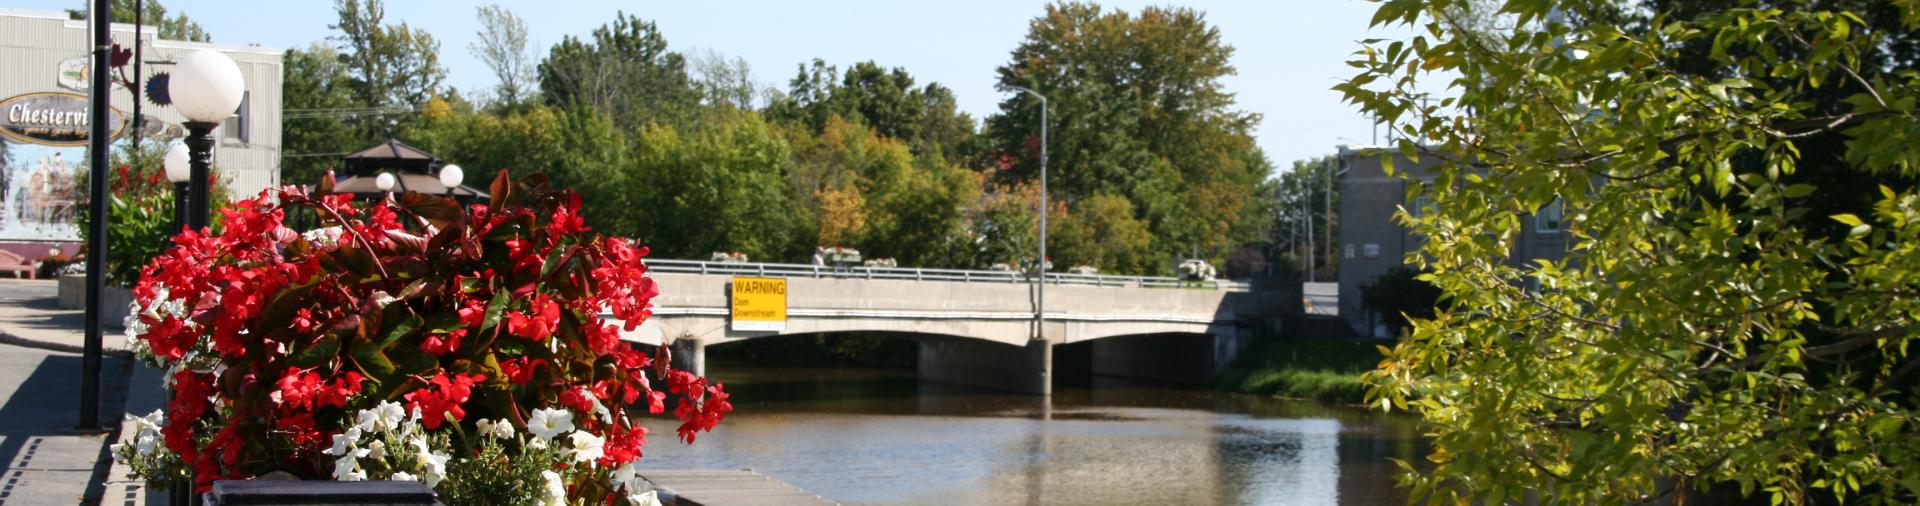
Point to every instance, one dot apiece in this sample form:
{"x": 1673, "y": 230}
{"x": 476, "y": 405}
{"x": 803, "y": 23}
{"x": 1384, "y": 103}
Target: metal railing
{"x": 927, "y": 274}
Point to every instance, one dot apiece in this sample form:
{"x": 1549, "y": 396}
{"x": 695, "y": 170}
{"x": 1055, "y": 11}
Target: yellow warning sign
{"x": 759, "y": 304}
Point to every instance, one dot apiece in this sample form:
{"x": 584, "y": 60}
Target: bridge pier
{"x": 1020, "y": 369}
{"x": 690, "y": 355}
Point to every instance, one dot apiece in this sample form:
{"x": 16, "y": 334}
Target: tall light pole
{"x": 96, "y": 215}
{"x": 206, "y": 87}
{"x": 1043, "y": 355}
{"x": 1040, "y": 263}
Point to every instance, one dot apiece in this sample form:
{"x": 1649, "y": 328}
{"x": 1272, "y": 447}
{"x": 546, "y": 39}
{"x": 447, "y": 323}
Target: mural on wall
{"x": 40, "y": 198}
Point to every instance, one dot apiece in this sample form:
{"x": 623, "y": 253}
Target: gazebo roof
{"x": 394, "y": 155}
{"x": 412, "y": 168}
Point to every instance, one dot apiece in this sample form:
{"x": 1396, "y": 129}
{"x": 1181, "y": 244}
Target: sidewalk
{"x": 43, "y": 460}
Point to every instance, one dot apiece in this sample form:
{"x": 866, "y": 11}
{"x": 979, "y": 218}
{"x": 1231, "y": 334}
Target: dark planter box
{"x": 318, "y": 493}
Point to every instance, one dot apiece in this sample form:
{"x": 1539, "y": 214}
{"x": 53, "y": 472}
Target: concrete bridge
{"x": 973, "y": 327}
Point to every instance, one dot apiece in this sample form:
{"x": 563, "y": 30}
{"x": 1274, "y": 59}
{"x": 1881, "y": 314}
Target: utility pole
{"x": 1306, "y": 213}
{"x": 1328, "y": 229}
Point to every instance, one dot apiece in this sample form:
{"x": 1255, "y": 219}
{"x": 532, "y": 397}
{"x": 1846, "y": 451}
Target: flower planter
{"x": 113, "y": 304}
{"x": 368, "y": 493}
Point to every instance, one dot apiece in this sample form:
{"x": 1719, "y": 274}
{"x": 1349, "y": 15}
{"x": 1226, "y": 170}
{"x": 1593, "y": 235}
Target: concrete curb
{"x": 8, "y": 337}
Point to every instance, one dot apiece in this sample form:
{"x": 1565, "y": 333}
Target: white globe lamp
{"x": 451, "y": 175}
{"x": 206, "y": 86}
{"x": 385, "y": 181}
{"x": 178, "y": 164}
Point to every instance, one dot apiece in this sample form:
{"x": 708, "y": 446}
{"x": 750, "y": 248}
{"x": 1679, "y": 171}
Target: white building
{"x": 44, "y": 59}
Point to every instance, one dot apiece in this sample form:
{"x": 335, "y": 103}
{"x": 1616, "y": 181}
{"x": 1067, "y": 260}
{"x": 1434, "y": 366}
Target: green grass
{"x": 1326, "y": 371}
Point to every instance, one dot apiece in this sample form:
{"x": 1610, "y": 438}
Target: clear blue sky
{"x": 1288, "y": 52}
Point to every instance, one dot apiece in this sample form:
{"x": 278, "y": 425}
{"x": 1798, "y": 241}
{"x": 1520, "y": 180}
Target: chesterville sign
{"x": 52, "y": 119}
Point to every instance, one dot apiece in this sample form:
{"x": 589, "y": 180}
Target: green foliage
{"x": 1101, "y": 231}
{"x": 886, "y": 101}
{"x": 721, "y": 188}
{"x": 1323, "y": 370}
{"x": 1138, "y": 110}
{"x": 1307, "y": 199}
{"x": 1401, "y": 297}
{"x": 1738, "y": 303}
{"x": 624, "y": 71}
{"x": 154, "y": 15}
{"x": 388, "y": 64}
{"x": 317, "y": 80}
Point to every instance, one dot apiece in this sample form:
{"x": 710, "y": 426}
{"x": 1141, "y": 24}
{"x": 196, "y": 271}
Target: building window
{"x": 1547, "y": 221}
{"x": 1372, "y": 250}
{"x": 1422, "y": 206}
{"x": 236, "y": 126}
{"x": 1349, "y": 251}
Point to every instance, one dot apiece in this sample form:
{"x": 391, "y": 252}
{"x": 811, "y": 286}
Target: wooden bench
{"x": 21, "y": 267}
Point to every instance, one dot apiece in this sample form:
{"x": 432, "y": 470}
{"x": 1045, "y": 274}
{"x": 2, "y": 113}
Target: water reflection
{"x": 881, "y": 436}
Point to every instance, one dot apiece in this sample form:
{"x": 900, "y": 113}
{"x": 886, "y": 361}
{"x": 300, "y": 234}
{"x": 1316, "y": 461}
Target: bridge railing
{"x": 926, "y": 274}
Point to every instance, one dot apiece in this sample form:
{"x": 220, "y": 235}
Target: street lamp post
{"x": 179, "y": 170}
{"x": 1040, "y": 264}
{"x": 206, "y": 87}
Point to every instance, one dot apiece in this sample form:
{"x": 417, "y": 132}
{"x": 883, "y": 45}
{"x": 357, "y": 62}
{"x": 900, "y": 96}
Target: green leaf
{"x": 1848, "y": 218}
{"x": 495, "y": 308}
{"x": 323, "y": 350}
{"x": 400, "y": 329}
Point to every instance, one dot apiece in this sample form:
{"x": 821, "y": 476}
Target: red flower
{"x": 519, "y": 371}
{"x": 440, "y": 400}
{"x": 442, "y": 344}
{"x": 545, "y": 315}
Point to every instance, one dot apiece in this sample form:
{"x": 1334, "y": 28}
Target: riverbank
{"x": 1323, "y": 370}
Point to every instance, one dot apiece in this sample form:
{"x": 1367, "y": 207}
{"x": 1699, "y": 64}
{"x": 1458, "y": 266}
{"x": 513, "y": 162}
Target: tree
{"x": 1735, "y": 314}
{"x": 389, "y": 64}
{"x": 1304, "y": 204}
{"x": 625, "y": 71}
{"x": 1139, "y": 111}
{"x": 1101, "y": 231}
{"x": 503, "y": 47}
{"x": 725, "y": 82}
{"x": 178, "y": 27}
{"x": 318, "y": 129}
{"x": 718, "y": 188}
{"x": 927, "y": 118}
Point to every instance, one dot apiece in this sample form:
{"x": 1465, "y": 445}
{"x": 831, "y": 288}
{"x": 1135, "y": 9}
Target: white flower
{"x": 343, "y": 442}
{"x": 556, "y": 491}
{"x": 347, "y": 468}
{"x": 501, "y": 430}
{"x": 598, "y": 408}
{"x": 376, "y": 450}
{"x": 624, "y": 475}
{"x": 383, "y": 417}
{"x": 648, "y": 498}
{"x": 547, "y": 423}
{"x": 433, "y": 466}
{"x": 118, "y": 456}
{"x": 537, "y": 444}
{"x": 403, "y": 476}
{"x": 587, "y": 447}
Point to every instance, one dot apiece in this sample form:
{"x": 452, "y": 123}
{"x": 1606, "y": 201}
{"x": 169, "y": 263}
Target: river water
{"x": 880, "y": 436}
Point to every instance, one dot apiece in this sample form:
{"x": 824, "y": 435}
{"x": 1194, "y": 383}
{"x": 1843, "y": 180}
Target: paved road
{"x": 43, "y": 459}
